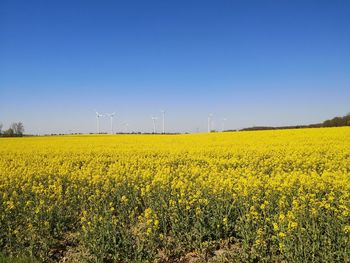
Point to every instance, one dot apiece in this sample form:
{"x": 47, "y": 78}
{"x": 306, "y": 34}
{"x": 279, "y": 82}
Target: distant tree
{"x": 13, "y": 127}
{"x": 18, "y": 128}
{"x": 347, "y": 119}
{"x": 9, "y": 133}
{"x": 0, "y": 128}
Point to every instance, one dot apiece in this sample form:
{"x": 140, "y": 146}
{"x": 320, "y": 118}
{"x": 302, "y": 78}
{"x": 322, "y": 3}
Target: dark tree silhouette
{"x": 16, "y": 129}
{"x": 335, "y": 122}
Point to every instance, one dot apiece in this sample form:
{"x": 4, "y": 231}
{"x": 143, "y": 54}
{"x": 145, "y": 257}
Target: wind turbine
{"x": 223, "y": 124}
{"x": 111, "y": 115}
{"x": 126, "y": 127}
{"x": 163, "y": 115}
{"x": 154, "y": 123}
{"x": 98, "y": 115}
{"x": 209, "y": 122}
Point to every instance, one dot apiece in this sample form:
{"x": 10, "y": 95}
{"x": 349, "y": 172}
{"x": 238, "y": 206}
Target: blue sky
{"x": 253, "y": 62}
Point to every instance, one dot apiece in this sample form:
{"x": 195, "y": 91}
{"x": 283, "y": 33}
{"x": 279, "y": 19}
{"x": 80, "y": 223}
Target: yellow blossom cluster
{"x": 280, "y": 195}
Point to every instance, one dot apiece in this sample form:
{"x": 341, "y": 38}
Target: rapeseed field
{"x": 264, "y": 196}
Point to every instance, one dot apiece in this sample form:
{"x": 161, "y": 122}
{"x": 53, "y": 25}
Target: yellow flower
{"x": 282, "y": 217}
{"x": 281, "y": 235}
{"x": 347, "y": 229}
{"x": 156, "y": 223}
{"x": 148, "y": 213}
{"x": 124, "y": 199}
{"x": 292, "y": 225}
{"x": 10, "y": 204}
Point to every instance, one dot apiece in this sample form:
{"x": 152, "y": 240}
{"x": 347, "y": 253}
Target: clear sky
{"x": 253, "y": 62}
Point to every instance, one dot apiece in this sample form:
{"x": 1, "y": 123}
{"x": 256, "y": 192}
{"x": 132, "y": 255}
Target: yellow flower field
{"x": 263, "y": 196}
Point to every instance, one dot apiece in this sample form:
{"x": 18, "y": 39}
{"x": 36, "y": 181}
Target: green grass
{"x": 5, "y": 259}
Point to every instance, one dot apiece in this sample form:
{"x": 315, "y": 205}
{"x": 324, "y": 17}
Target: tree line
{"x": 16, "y": 129}
{"x": 335, "y": 122}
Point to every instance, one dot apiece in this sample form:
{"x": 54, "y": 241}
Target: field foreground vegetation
{"x": 266, "y": 196}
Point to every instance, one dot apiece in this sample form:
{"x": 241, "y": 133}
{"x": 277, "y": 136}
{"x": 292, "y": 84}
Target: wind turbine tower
{"x": 154, "y": 123}
{"x": 111, "y": 116}
{"x": 98, "y": 115}
{"x": 209, "y": 122}
{"x": 163, "y": 115}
